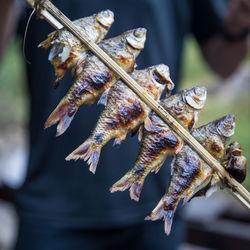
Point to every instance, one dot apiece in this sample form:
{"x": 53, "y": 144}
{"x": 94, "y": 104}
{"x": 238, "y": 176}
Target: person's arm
{"x": 8, "y": 19}
{"x": 224, "y": 51}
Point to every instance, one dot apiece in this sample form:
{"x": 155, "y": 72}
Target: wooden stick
{"x": 238, "y": 191}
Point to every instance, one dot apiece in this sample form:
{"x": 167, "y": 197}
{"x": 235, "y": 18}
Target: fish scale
{"x": 66, "y": 49}
{"x": 189, "y": 171}
{"x": 159, "y": 141}
{"x": 124, "y": 112}
{"x": 94, "y": 77}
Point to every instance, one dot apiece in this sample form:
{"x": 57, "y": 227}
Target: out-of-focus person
{"x": 61, "y": 205}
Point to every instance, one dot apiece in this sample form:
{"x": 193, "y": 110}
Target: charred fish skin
{"x": 187, "y": 174}
{"x": 159, "y": 141}
{"x": 236, "y": 163}
{"x": 96, "y": 77}
{"x": 189, "y": 171}
{"x": 124, "y": 112}
{"x": 215, "y": 135}
{"x": 66, "y": 49}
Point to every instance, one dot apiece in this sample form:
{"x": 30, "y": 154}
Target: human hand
{"x": 237, "y": 18}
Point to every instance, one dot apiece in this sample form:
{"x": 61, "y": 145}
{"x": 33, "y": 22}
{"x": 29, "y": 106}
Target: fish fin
{"x": 63, "y": 113}
{"x": 159, "y": 212}
{"x": 202, "y": 192}
{"x": 129, "y": 180}
{"x": 124, "y": 183}
{"x": 77, "y": 69}
{"x": 153, "y": 124}
{"x": 214, "y": 188}
{"x": 187, "y": 198}
{"x": 47, "y": 42}
{"x": 120, "y": 139}
{"x": 135, "y": 190}
{"x": 148, "y": 125}
{"x": 134, "y": 131}
{"x": 57, "y": 81}
{"x": 158, "y": 166}
{"x": 104, "y": 98}
{"x": 140, "y": 134}
{"x": 179, "y": 147}
{"x": 88, "y": 151}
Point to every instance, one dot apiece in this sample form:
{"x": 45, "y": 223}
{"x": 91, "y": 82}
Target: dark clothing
{"x": 66, "y": 194}
{"x": 146, "y": 236}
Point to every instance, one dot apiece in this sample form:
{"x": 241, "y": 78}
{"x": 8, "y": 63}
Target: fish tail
{"x": 64, "y": 114}
{"x": 46, "y": 43}
{"x": 135, "y": 190}
{"x": 89, "y": 151}
{"x": 161, "y": 211}
{"x": 126, "y": 182}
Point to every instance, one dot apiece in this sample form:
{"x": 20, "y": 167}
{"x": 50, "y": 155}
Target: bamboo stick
{"x": 236, "y": 189}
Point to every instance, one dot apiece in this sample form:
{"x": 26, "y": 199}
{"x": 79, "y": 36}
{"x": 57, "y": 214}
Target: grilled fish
{"x": 95, "y": 76}
{"x": 189, "y": 171}
{"x": 124, "y": 112}
{"x": 159, "y": 140}
{"x": 235, "y": 163}
{"x": 66, "y": 49}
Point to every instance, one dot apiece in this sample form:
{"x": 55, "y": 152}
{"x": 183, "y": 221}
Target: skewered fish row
{"x": 189, "y": 171}
{"x": 158, "y": 140}
{"x": 95, "y": 77}
{"x": 66, "y": 49}
{"x": 124, "y": 112}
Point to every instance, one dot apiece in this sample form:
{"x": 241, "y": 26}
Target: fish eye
{"x": 137, "y": 33}
{"x": 106, "y": 13}
{"x": 105, "y": 18}
{"x": 226, "y": 126}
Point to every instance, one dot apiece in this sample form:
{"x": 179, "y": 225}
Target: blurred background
{"x": 208, "y": 219}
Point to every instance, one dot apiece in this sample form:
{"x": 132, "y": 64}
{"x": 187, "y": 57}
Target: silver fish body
{"x": 124, "y": 112}
{"x": 159, "y": 141}
{"x": 66, "y": 49}
{"x": 94, "y": 77}
{"x": 189, "y": 171}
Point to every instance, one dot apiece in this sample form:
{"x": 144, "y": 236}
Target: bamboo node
{"x": 39, "y": 7}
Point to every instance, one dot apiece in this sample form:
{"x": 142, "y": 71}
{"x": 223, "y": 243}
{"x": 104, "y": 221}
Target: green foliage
{"x": 13, "y": 99}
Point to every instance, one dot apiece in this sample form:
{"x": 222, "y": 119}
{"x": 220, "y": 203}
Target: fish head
{"x": 105, "y": 18}
{"x": 234, "y": 149}
{"x": 136, "y": 38}
{"x": 195, "y": 97}
{"x": 225, "y": 126}
{"x": 162, "y": 75}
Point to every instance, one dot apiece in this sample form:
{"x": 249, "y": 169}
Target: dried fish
{"x": 159, "y": 140}
{"x": 66, "y": 49}
{"x": 236, "y": 163}
{"x": 124, "y": 112}
{"x": 189, "y": 171}
{"x": 95, "y": 77}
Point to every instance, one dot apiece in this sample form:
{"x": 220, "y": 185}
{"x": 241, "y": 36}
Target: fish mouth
{"x": 226, "y": 125}
{"x": 195, "y": 97}
{"x": 136, "y": 38}
{"x": 105, "y": 18}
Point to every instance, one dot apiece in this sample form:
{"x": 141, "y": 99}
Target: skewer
{"x": 57, "y": 19}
